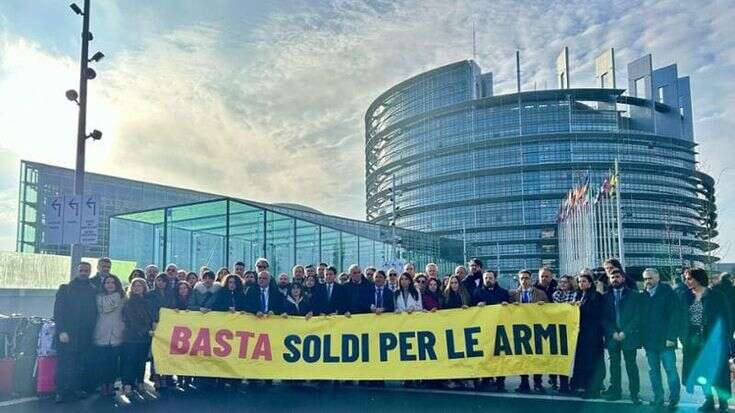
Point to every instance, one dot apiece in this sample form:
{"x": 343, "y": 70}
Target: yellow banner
{"x": 462, "y": 343}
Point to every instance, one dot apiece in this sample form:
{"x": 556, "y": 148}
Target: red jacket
{"x": 429, "y": 302}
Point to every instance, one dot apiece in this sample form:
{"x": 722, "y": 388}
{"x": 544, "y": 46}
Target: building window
{"x": 640, "y": 88}
{"x": 660, "y": 94}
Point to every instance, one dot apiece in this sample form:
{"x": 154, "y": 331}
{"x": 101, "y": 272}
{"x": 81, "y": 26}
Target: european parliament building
{"x": 446, "y": 156}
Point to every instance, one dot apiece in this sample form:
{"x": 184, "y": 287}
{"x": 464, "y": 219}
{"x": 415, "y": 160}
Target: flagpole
{"x": 620, "y": 217}
{"x": 608, "y": 227}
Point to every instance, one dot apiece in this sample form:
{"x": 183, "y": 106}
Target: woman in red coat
{"x": 432, "y": 298}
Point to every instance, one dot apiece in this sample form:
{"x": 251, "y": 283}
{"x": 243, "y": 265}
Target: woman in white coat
{"x": 408, "y": 298}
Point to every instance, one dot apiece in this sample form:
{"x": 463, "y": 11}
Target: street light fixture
{"x": 72, "y": 95}
{"x": 95, "y": 135}
{"x": 97, "y": 57}
{"x": 76, "y": 9}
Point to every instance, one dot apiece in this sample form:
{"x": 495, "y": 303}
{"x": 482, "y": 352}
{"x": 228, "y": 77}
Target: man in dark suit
{"x": 546, "y": 282}
{"x": 659, "y": 330}
{"x": 75, "y": 313}
{"x": 622, "y": 323}
{"x": 104, "y": 265}
{"x": 263, "y": 299}
{"x": 526, "y": 293}
{"x": 357, "y": 290}
{"x": 334, "y": 293}
{"x": 490, "y": 293}
{"x": 474, "y": 279}
{"x": 381, "y": 297}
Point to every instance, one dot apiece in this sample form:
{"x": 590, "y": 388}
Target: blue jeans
{"x": 667, "y": 358}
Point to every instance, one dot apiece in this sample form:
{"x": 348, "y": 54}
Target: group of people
{"x": 104, "y": 331}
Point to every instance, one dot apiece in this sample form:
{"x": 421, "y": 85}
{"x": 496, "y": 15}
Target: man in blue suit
{"x": 622, "y": 325}
{"x": 334, "y": 293}
{"x": 380, "y": 296}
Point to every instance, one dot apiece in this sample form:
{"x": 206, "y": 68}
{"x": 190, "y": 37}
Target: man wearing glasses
{"x": 171, "y": 272}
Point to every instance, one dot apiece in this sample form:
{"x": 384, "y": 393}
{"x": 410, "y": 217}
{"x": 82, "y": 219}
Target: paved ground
{"x": 307, "y": 398}
{"x": 281, "y": 398}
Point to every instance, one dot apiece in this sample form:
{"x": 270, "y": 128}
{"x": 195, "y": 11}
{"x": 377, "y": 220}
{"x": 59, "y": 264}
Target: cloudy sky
{"x": 264, "y": 100}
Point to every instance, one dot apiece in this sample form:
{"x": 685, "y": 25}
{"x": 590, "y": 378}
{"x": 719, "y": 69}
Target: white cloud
{"x": 278, "y": 117}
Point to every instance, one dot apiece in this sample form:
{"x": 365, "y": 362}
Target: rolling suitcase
{"x": 7, "y": 372}
{"x": 46, "y": 374}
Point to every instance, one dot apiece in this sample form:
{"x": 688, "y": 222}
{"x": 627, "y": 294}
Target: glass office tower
{"x": 219, "y": 232}
{"x": 446, "y": 156}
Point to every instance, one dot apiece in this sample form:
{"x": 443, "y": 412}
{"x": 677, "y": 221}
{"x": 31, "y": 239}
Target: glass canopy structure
{"x": 219, "y": 232}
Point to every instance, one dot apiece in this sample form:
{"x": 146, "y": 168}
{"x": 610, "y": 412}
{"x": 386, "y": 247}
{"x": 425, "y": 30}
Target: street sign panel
{"x": 90, "y": 219}
{"x": 54, "y": 220}
{"x": 72, "y": 219}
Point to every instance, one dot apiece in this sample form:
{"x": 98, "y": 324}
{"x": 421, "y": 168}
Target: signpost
{"x": 54, "y": 220}
{"x": 72, "y": 219}
{"x": 90, "y": 220}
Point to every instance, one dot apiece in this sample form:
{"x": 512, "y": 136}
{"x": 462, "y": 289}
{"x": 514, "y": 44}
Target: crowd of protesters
{"x": 104, "y": 331}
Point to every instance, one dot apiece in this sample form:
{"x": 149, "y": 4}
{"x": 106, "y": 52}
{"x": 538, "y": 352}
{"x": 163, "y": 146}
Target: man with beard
{"x": 151, "y": 271}
{"x": 526, "y": 293}
{"x": 104, "y": 265}
{"x": 474, "y": 278}
{"x": 659, "y": 331}
{"x": 297, "y": 274}
{"x": 490, "y": 293}
{"x": 622, "y": 335}
{"x": 283, "y": 284}
{"x": 75, "y": 313}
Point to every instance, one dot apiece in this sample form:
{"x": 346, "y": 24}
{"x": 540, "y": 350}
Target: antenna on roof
{"x": 518, "y": 70}
{"x": 474, "y": 41}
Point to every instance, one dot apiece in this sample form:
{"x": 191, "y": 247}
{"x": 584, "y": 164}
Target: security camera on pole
{"x": 80, "y": 98}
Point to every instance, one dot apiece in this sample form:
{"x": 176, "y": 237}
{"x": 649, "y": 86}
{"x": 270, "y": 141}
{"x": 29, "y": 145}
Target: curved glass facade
{"x": 492, "y": 169}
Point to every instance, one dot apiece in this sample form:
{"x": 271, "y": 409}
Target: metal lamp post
{"x": 85, "y": 73}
